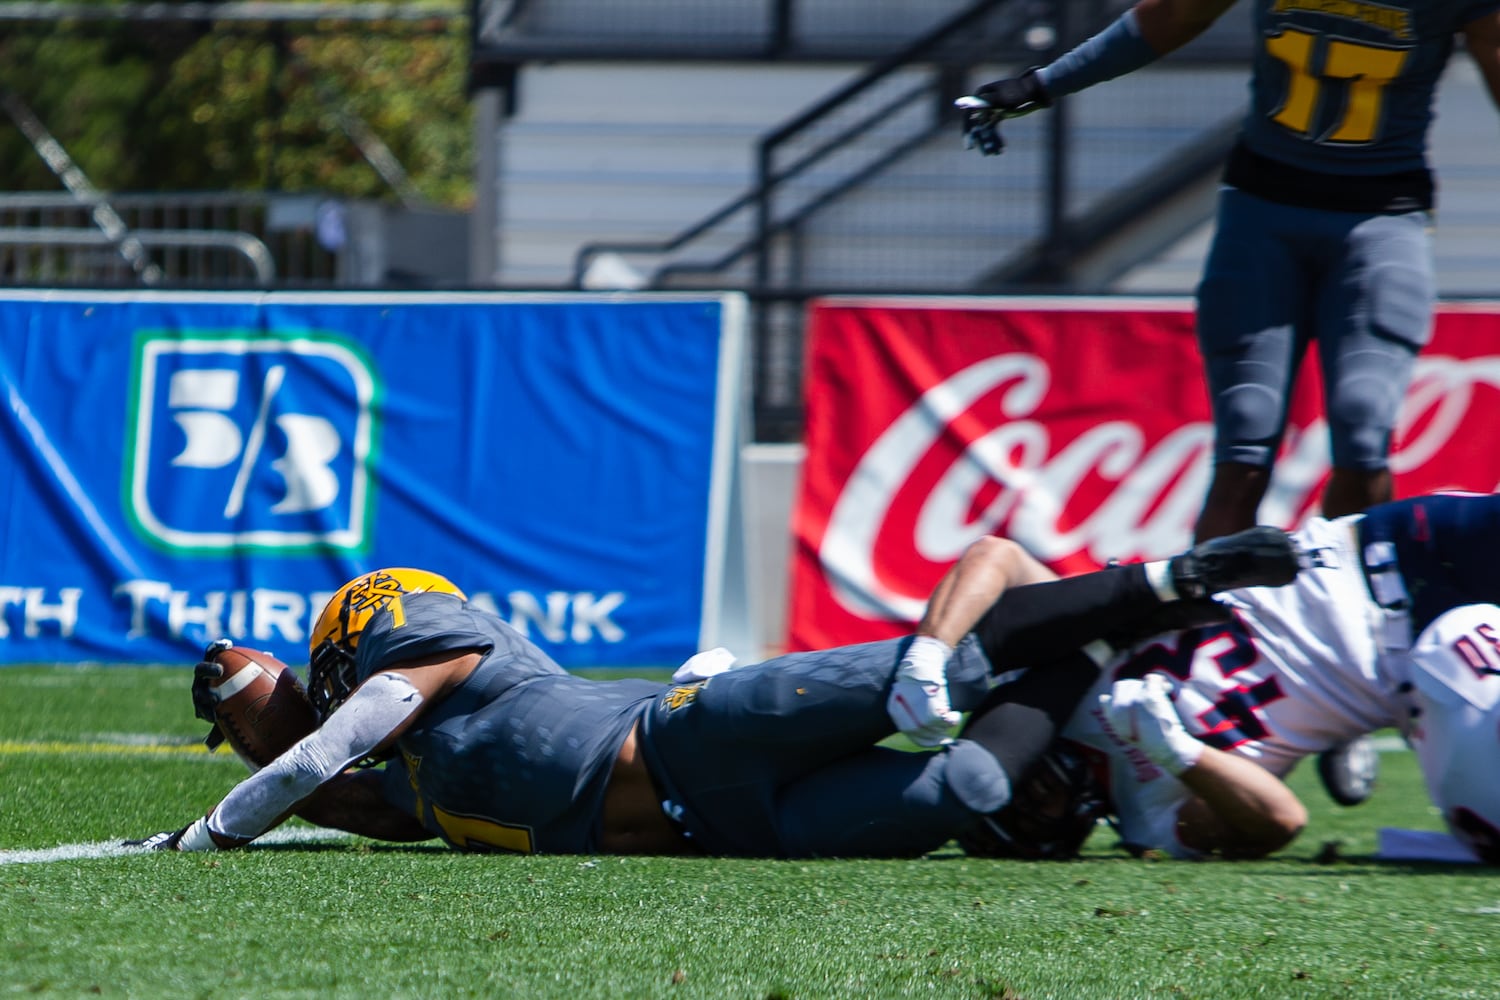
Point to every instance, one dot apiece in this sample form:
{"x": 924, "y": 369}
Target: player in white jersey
{"x": 1454, "y": 702}
{"x": 1294, "y": 673}
{"x": 1391, "y": 625}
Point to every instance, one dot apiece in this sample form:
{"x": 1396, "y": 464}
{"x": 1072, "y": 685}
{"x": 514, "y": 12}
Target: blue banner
{"x": 179, "y": 467}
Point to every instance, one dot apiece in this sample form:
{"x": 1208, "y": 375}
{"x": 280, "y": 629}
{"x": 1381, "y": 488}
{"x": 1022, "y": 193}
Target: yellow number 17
{"x": 1367, "y": 68}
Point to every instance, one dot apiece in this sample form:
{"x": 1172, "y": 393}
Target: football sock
{"x": 1018, "y": 720}
{"x": 1043, "y": 621}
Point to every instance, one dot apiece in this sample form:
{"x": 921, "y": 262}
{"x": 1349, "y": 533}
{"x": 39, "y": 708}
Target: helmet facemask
{"x": 1054, "y": 809}
{"x": 330, "y": 676}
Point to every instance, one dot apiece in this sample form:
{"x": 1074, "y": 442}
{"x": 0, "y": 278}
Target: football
{"x": 262, "y": 707}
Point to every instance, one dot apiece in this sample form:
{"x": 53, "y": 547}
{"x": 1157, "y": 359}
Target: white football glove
{"x": 1141, "y": 713}
{"x": 918, "y": 703}
{"x": 702, "y": 666}
{"x": 193, "y": 837}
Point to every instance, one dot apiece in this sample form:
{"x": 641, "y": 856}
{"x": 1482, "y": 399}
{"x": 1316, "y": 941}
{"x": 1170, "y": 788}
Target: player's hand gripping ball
{"x": 254, "y": 699}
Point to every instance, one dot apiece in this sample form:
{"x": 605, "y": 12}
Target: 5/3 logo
{"x": 240, "y": 442}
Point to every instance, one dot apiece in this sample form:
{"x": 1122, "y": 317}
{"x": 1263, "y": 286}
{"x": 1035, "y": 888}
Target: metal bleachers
{"x": 578, "y": 181}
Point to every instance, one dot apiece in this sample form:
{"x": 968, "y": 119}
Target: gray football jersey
{"x": 1347, "y": 86}
{"x": 517, "y": 758}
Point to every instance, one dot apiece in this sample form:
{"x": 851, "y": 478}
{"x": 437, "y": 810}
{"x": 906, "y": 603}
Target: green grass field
{"x": 91, "y": 755}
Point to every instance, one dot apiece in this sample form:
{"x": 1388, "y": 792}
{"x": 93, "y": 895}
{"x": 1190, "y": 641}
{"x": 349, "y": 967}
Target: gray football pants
{"x": 1280, "y": 278}
{"x": 780, "y": 759}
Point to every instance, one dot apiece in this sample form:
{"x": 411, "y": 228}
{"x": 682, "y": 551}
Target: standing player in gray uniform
{"x": 1323, "y": 229}
{"x": 490, "y": 745}
{"x": 1323, "y": 223}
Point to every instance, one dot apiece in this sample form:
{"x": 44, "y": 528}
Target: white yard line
{"x": 115, "y": 849}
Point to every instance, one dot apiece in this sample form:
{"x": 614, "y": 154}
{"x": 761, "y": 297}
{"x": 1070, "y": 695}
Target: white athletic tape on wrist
{"x": 196, "y": 837}
{"x": 1182, "y": 753}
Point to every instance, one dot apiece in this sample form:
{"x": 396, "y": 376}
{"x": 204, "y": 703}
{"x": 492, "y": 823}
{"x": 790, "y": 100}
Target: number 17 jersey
{"x": 1347, "y": 86}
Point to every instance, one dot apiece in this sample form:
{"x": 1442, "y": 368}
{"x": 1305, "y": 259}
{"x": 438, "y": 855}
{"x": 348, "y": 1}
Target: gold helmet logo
{"x": 347, "y": 614}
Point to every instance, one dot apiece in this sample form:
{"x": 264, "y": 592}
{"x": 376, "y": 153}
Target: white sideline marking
{"x": 115, "y": 849}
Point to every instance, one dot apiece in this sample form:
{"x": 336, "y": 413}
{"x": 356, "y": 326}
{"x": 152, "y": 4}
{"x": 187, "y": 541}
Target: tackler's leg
{"x": 886, "y": 803}
{"x": 881, "y": 803}
{"x": 1019, "y": 720}
{"x": 1039, "y": 622}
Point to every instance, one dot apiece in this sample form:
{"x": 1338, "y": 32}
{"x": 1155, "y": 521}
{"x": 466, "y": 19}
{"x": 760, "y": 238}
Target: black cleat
{"x": 1349, "y": 770}
{"x": 1262, "y": 556}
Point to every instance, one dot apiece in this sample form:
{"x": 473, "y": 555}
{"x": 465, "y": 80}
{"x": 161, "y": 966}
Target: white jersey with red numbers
{"x": 1298, "y": 671}
{"x": 1453, "y": 722}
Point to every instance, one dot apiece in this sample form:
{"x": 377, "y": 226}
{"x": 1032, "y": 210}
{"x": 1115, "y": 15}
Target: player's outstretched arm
{"x": 1140, "y": 36}
{"x": 372, "y": 718}
{"x": 918, "y": 700}
{"x": 987, "y": 569}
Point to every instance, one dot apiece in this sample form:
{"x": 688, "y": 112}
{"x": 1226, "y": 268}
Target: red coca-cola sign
{"x": 1079, "y": 428}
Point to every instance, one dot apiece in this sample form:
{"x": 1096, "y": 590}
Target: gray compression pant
{"x": 780, "y": 759}
{"x": 1279, "y": 278}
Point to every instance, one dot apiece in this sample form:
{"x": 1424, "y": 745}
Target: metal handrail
{"x": 252, "y": 249}
{"x": 739, "y": 204}
{"x": 767, "y": 177}
{"x": 1075, "y": 237}
{"x": 792, "y": 222}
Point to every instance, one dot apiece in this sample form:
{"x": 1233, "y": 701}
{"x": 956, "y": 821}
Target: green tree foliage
{"x": 257, "y": 106}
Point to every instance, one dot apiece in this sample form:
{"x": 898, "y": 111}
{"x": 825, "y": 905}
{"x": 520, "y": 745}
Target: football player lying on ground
{"x": 489, "y": 744}
{"x": 1395, "y": 624}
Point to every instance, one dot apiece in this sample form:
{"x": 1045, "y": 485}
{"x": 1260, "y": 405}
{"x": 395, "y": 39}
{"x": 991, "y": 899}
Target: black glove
{"x": 987, "y": 107}
{"x": 164, "y": 841}
{"x": 1016, "y": 96}
{"x": 205, "y": 675}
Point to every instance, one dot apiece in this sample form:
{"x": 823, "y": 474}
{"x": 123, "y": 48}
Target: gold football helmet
{"x": 330, "y": 671}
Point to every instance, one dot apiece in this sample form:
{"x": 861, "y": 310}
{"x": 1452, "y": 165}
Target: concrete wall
{"x": 771, "y": 474}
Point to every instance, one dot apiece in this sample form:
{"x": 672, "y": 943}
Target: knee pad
{"x": 975, "y": 777}
{"x": 1364, "y": 390}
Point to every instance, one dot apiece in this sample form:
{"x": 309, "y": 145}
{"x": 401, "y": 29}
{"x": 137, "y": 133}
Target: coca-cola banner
{"x": 1078, "y": 427}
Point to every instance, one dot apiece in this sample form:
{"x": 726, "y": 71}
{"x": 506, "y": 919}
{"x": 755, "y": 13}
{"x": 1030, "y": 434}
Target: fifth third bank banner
{"x": 181, "y": 467}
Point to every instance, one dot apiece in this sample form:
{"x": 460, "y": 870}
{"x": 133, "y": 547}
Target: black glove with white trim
{"x": 987, "y": 107}
{"x": 167, "y": 840}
